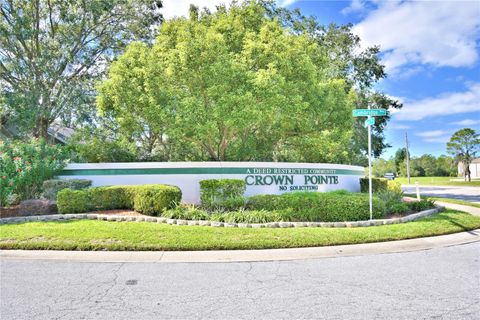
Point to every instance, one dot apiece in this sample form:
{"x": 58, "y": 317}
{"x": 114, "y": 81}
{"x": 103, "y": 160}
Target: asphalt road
{"x": 471, "y": 194}
{"x": 441, "y": 283}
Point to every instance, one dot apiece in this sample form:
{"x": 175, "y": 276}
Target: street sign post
{"x": 370, "y": 113}
{"x": 369, "y": 122}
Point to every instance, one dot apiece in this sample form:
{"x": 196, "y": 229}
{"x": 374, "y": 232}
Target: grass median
{"x": 448, "y": 200}
{"x": 439, "y": 181}
{"x": 103, "y": 235}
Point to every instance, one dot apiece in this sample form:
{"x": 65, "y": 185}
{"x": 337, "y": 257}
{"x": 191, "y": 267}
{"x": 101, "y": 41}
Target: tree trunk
{"x": 41, "y": 128}
{"x": 468, "y": 173}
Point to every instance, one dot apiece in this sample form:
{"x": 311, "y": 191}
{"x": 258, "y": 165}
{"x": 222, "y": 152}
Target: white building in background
{"x": 474, "y": 169}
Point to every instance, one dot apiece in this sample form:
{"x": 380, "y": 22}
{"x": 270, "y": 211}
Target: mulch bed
{"x": 7, "y": 212}
{"x": 119, "y": 213}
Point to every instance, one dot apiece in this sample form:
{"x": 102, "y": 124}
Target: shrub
{"x": 394, "y": 186}
{"x": 231, "y": 204}
{"x": 147, "y": 199}
{"x": 378, "y": 184}
{"x": 154, "y": 199}
{"x": 112, "y": 197}
{"x": 52, "y": 187}
{"x": 25, "y": 165}
{"x": 421, "y": 205}
{"x": 186, "y": 213}
{"x": 72, "y": 201}
{"x": 253, "y": 216}
{"x": 400, "y": 207}
{"x": 268, "y": 202}
{"x": 316, "y": 206}
{"x": 214, "y": 192}
{"x": 392, "y": 200}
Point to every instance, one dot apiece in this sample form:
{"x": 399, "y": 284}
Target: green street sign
{"x": 369, "y": 122}
{"x": 369, "y": 112}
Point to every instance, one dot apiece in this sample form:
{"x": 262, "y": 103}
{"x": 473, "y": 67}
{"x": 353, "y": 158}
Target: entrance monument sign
{"x": 259, "y": 177}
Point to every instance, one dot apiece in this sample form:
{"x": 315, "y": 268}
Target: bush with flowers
{"x": 25, "y": 165}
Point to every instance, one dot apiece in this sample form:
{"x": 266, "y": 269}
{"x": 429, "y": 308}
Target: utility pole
{"x": 408, "y": 157}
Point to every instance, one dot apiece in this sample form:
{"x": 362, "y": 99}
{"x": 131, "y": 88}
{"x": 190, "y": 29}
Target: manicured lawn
{"x": 438, "y": 181}
{"x": 102, "y": 235}
{"x": 456, "y": 201}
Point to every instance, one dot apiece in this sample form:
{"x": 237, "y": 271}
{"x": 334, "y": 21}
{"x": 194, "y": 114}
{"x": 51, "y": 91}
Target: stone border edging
{"x": 105, "y": 217}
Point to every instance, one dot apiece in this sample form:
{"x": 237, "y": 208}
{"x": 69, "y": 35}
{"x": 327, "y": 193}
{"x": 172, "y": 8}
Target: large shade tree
{"x": 248, "y": 82}
{"x": 51, "y": 52}
{"x": 463, "y": 146}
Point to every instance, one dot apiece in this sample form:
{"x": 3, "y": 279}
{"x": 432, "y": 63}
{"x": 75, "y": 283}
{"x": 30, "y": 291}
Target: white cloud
{"x": 445, "y": 104}
{"x": 286, "y": 3}
{"x": 431, "y": 134}
{"x": 443, "y": 139}
{"x": 179, "y": 8}
{"x": 468, "y": 122}
{"x": 437, "y": 33}
{"x": 355, "y": 6}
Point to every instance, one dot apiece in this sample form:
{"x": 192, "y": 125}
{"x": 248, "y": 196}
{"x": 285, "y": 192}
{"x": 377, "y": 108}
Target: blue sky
{"x": 431, "y": 50}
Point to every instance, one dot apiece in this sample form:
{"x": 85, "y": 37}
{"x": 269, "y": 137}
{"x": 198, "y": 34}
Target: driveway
{"x": 441, "y": 283}
{"x": 471, "y": 194}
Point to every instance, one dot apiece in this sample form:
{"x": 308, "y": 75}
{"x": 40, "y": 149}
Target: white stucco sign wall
{"x": 260, "y": 177}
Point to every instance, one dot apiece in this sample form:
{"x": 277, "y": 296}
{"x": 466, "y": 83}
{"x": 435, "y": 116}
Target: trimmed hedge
{"x": 378, "y": 184}
{"x": 147, "y": 199}
{"x": 316, "y": 206}
{"x": 154, "y": 199}
{"x": 53, "y": 186}
{"x": 72, "y": 201}
{"x": 216, "y": 192}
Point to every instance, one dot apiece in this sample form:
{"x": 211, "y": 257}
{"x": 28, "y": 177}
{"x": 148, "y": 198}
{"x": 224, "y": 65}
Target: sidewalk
{"x": 460, "y": 207}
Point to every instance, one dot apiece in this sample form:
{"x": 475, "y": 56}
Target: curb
{"x": 126, "y": 218}
{"x": 398, "y": 246}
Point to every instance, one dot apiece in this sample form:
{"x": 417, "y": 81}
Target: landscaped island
{"x": 222, "y": 204}
{"x": 223, "y": 200}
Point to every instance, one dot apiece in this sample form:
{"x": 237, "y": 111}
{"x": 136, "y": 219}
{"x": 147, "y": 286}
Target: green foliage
{"x": 154, "y": 199}
{"x": 111, "y": 197}
{"x": 147, "y": 199}
{"x": 378, "y": 184}
{"x": 25, "y": 165}
{"x": 381, "y": 166}
{"x": 99, "y": 149}
{"x": 395, "y": 186}
{"x": 268, "y": 202}
{"x": 398, "y": 208}
{"x": 72, "y": 201}
{"x": 53, "y": 186}
{"x": 313, "y": 206}
{"x": 53, "y": 51}
{"x": 186, "y": 213}
{"x": 222, "y": 192}
{"x": 425, "y": 165}
{"x": 250, "y": 216}
{"x": 463, "y": 146}
{"x": 392, "y": 200}
{"x": 423, "y": 204}
{"x": 247, "y": 82}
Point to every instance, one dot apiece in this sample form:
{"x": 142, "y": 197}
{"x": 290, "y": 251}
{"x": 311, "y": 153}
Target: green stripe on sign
{"x": 142, "y": 171}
